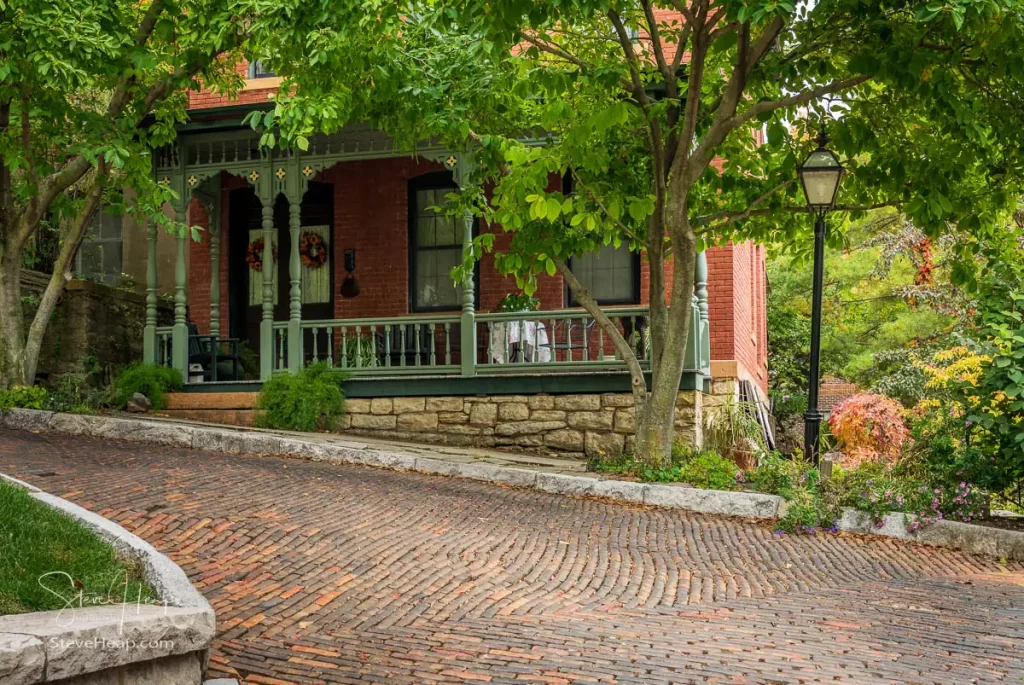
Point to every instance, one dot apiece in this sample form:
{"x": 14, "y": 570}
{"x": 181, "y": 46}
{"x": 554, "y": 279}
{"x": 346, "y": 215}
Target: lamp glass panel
{"x": 820, "y": 185}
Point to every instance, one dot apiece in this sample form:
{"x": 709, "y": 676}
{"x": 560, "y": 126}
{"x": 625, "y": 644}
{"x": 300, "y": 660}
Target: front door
{"x": 246, "y": 270}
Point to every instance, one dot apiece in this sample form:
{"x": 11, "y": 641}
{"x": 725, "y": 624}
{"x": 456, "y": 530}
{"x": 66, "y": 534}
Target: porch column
{"x": 267, "y": 321}
{"x": 179, "y": 335}
{"x": 702, "y": 305}
{"x": 463, "y": 166}
{"x": 215, "y": 264}
{"x": 295, "y": 289}
{"x": 149, "y": 332}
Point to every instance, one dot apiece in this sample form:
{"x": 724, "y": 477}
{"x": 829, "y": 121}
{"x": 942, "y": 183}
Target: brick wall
{"x": 737, "y": 295}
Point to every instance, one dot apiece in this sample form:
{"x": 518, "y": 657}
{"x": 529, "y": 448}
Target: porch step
{"x": 179, "y": 401}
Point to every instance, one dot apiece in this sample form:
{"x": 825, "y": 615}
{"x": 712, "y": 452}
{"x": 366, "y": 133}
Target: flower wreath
{"x": 254, "y": 255}
{"x": 312, "y": 250}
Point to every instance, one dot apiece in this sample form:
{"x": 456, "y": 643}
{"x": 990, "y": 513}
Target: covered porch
{"x": 366, "y": 292}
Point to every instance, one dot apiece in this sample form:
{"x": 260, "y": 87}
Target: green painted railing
{"x": 413, "y": 345}
{"x": 556, "y": 341}
{"x": 164, "y": 345}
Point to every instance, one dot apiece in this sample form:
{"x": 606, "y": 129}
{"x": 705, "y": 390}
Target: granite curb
{"x": 48, "y": 646}
{"x": 259, "y": 442}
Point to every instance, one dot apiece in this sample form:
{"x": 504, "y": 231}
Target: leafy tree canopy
{"x": 681, "y": 124}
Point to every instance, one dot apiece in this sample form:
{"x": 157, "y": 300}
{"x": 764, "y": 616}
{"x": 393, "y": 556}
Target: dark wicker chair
{"x": 209, "y": 352}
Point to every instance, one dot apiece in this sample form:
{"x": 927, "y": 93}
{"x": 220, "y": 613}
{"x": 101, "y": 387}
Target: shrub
{"x": 149, "y": 379}
{"x": 23, "y": 396}
{"x": 777, "y": 475}
{"x": 704, "y": 468}
{"x": 307, "y": 401}
{"x": 72, "y": 393}
{"x": 869, "y": 427}
{"x": 701, "y": 468}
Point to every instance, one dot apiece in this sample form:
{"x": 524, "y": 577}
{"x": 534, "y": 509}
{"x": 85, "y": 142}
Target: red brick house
{"x": 361, "y": 277}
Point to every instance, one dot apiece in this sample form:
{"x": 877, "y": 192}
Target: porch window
{"x": 259, "y": 70}
{"x": 435, "y": 245}
{"x": 612, "y": 274}
{"x": 99, "y": 257}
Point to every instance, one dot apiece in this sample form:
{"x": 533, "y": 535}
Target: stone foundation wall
{"x": 578, "y": 426}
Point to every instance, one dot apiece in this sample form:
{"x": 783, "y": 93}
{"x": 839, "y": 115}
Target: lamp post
{"x": 820, "y": 175}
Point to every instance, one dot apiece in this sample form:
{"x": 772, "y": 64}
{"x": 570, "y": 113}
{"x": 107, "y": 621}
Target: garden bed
{"x": 49, "y": 561}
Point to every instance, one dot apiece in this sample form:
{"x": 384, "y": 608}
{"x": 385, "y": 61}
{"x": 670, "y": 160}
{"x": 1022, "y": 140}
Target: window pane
{"x": 434, "y": 285}
{"x": 446, "y": 231}
{"x": 426, "y": 234}
{"x": 607, "y": 273}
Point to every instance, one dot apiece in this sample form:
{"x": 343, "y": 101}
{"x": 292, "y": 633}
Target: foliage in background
{"x": 36, "y": 540}
{"x": 151, "y": 380}
{"x": 869, "y": 428}
{"x": 88, "y": 89}
{"x": 876, "y": 306}
{"x": 310, "y": 400}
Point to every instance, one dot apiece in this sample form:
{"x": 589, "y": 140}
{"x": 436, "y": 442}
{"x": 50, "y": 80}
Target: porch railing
{"x": 412, "y": 345}
{"x": 164, "y": 345}
{"x": 559, "y": 340}
{"x": 503, "y": 343}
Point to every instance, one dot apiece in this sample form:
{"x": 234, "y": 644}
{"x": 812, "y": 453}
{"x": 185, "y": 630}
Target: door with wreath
{"x": 247, "y": 270}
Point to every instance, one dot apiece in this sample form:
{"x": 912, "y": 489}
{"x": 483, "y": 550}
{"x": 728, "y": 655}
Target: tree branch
{"x": 729, "y": 217}
{"x": 627, "y": 353}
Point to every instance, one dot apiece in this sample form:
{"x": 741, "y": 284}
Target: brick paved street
{"x": 343, "y": 574}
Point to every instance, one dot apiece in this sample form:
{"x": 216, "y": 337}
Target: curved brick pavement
{"x": 345, "y": 574}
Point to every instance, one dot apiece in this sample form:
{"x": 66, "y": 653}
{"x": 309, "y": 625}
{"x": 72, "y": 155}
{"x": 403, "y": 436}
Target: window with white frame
{"x": 435, "y": 245}
{"x": 100, "y": 255}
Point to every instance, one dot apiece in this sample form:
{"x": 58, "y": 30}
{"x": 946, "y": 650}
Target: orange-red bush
{"x": 869, "y": 427}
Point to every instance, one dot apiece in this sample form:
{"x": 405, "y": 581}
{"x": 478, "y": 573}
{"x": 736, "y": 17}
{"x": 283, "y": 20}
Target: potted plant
{"x": 518, "y": 302}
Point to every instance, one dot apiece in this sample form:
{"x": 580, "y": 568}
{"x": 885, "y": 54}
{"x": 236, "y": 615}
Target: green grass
{"x": 36, "y": 540}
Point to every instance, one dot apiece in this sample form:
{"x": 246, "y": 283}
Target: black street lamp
{"x": 820, "y": 175}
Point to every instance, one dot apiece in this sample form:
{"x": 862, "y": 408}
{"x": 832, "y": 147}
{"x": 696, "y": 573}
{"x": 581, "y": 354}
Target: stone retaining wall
{"x": 579, "y": 426}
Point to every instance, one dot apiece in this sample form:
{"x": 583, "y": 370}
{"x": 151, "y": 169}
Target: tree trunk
{"x": 61, "y": 274}
{"x": 655, "y": 433}
{"x": 12, "y": 321}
